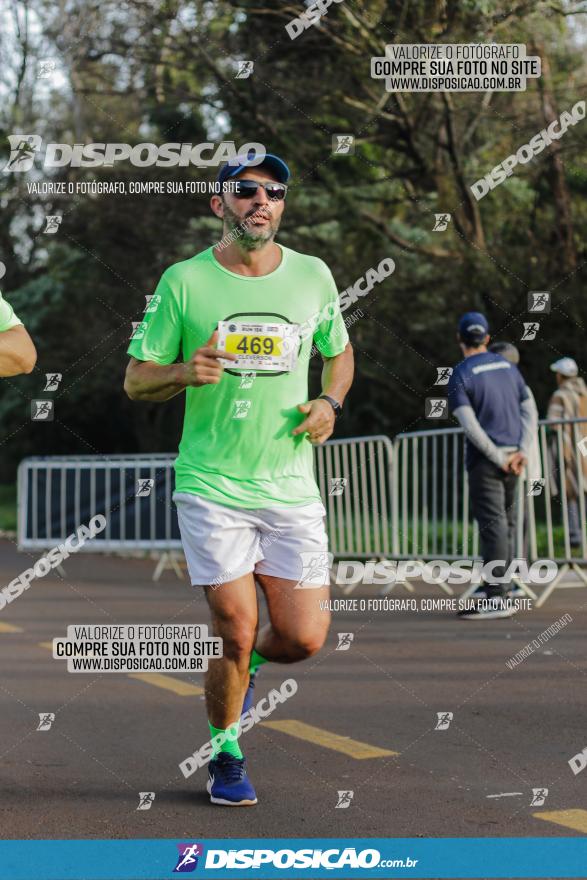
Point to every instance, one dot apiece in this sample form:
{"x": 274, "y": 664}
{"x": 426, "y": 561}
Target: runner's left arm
{"x": 337, "y": 376}
{"x": 332, "y": 341}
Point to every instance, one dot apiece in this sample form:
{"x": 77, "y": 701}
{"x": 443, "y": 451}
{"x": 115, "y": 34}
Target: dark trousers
{"x": 493, "y": 496}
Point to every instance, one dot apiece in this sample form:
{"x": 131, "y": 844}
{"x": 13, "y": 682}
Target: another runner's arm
{"x": 17, "y": 352}
{"x": 147, "y": 380}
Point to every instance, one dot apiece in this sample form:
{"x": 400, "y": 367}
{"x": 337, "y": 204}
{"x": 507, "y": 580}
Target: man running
{"x": 17, "y": 352}
{"x": 248, "y": 504}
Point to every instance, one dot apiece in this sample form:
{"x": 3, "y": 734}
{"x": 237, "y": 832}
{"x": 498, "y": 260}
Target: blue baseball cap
{"x": 272, "y": 163}
{"x": 473, "y": 327}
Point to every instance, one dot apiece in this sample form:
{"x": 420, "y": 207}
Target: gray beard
{"x": 245, "y": 236}
{"x": 254, "y": 242}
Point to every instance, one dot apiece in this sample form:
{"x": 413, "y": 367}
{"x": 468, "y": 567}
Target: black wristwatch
{"x": 336, "y": 406}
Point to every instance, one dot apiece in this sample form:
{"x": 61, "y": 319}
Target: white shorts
{"x": 222, "y": 543}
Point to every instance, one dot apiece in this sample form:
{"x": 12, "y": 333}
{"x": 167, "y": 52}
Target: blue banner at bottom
{"x": 289, "y": 858}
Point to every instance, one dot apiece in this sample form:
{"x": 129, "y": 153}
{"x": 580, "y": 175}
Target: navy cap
{"x": 473, "y": 327}
{"x": 272, "y": 163}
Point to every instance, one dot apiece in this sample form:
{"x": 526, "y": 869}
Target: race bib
{"x": 271, "y": 347}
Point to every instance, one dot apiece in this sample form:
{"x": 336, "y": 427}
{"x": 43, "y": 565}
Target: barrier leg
{"x": 447, "y": 589}
{"x": 523, "y": 586}
{"x": 469, "y": 591}
{"x": 167, "y": 560}
{"x": 347, "y": 589}
{"x": 554, "y": 584}
{"x": 387, "y": 588}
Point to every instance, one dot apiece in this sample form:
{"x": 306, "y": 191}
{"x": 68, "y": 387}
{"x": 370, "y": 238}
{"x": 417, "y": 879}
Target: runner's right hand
{"x": 204, "y": 367}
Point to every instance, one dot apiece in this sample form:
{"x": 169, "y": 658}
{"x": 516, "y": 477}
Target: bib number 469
{"x": 257, "y": 345}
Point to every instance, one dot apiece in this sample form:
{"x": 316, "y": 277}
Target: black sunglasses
{"x": 246, "y": 189}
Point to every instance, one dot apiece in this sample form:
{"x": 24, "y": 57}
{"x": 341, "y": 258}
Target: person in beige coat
{"x": 569, "y": 401}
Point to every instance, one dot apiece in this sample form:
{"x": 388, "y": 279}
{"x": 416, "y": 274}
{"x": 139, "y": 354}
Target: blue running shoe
{"x": 228, "y": 783}
{"x": 249, "y": 694}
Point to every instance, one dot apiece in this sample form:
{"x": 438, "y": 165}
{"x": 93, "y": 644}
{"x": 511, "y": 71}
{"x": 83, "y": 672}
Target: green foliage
{"x": 8, "y": 507}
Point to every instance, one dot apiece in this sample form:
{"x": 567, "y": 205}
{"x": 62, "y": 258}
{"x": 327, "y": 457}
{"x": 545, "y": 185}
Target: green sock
{"x": 256, "y": 661}
{"x": 230, "y": 743}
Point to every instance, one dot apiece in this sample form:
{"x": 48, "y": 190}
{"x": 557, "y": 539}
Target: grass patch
{"x": 8, "y": 507}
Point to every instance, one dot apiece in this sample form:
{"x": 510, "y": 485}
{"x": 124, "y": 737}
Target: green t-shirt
{"x": 7, "y": 317}
{"x": 251, "y": 461}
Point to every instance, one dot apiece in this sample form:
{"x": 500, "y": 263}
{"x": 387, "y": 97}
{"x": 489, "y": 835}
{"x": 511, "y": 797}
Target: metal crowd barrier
{"x": 354, "y": 477}
{"x": 406, "y": 500}
{"x": 431, "y": 505}
{"x": 58, "y": 493}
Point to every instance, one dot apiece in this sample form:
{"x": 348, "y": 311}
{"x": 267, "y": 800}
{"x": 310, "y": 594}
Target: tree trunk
{"x": 562, "y": 201}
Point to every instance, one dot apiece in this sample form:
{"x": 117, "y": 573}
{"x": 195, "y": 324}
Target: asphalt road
{"x": 513, "y": 730}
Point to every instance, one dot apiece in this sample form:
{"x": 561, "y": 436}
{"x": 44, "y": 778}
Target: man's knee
{"x": 238, "y": 638}
{"x": 305, "y": 644}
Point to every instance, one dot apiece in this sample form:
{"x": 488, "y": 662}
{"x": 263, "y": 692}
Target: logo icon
{"x": 539, "y": 301}
{"x": 539, "y": 795}
{"x": 23, "y": 149}
{"x": 444, "y": 374}
{"x": 146, "y": 799}
{"x": 153, "y": 301}
{"x": 337, "y": 485}
{"x": 52, "y": 381}
{"x": 436, "y": 407}
{"x": 138, "y": 329}
{"x": 42, "y": 410}
{"x": 343, "y": 144}
{"x": 144, "y": 488}
{"x": 187, "y": 861}
{"x": 536, "y": 487}
{"x": 247, "y": 379}
{"x": 315, "y": 569}
{"x": 46, "y": 719}
{"x": 53, "y": 222}
{"x": 530, "y": 331}
{"x": 344, "y": 800}
{"x": 344, "y": 641}
{"x": 444, "y": 719}
{"x": 441, "y": 222}
{"x": 245, "y": 69}
{"x": 241, "y": 409}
